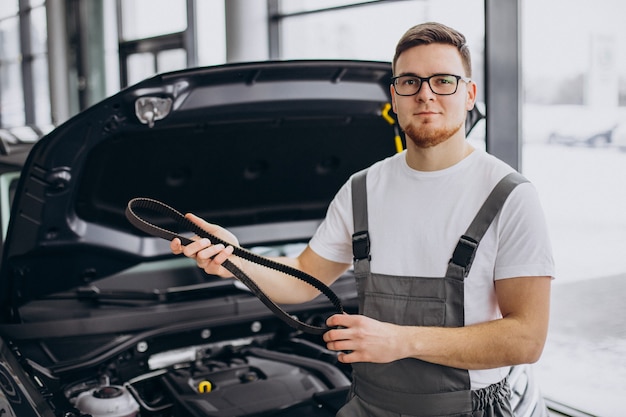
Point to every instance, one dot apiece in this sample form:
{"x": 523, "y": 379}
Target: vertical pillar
{"x": 25, "y": 30}
{"x": 58, "y": 61}
{"x": 503, "y": 80}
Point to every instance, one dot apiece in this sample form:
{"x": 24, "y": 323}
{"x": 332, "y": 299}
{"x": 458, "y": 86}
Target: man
{"x": 415, "y": 352}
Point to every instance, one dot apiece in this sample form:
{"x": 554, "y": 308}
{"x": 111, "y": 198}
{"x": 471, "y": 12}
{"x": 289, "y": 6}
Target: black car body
{"x": 98, "y": 318}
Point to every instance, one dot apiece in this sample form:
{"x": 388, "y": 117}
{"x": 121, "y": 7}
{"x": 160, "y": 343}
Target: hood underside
{"x": 260, "y": 148}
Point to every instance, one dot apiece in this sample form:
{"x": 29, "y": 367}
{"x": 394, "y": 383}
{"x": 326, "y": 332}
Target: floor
{"x": 584, "y": 362}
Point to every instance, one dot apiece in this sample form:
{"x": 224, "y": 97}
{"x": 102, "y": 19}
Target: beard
{"x": 426, "y": 137}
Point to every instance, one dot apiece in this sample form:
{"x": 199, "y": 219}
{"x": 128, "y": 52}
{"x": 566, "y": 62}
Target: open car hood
{"x": 260, "y": 148}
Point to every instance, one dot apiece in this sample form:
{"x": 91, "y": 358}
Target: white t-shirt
{"x": 416, "y": 219}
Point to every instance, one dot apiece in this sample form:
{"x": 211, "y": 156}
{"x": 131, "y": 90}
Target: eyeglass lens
{"x": 443, "y": 84}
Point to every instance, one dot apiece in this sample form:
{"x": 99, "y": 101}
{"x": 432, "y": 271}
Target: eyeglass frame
{"x": 427, "y": 79}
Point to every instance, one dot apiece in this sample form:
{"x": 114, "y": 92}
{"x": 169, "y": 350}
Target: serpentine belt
{"x": 154, "y": 230}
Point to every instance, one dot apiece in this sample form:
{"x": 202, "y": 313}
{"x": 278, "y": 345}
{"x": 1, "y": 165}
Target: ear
{"x": 393, "y": 98}
{"x": 471, "y": 95}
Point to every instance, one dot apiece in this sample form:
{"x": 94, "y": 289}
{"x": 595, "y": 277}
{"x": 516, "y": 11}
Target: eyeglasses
{"x": 440, "y": 84}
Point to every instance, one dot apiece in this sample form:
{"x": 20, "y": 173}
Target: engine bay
{"x": 278, "y": 373}
{"x": 242, "y": 365}
{"x": 237, "y": 378}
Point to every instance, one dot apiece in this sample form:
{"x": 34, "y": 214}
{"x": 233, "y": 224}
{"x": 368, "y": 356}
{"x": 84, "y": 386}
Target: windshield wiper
{"x": 94, "y": 293}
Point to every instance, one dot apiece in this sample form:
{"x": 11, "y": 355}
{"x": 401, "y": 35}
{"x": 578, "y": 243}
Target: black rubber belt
{"x": 181, "y": 220}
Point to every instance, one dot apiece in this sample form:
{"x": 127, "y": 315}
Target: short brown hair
{"x": 433, "y": 32}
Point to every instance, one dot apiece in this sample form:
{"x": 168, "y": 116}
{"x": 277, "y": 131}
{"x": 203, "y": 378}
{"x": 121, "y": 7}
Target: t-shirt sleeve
{"x": 524, "y": 243}
{"x": 333, "y": 238}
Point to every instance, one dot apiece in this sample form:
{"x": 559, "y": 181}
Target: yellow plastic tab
{"x": 399, "y": 146}
{"x": 391, "y": 121}
{"x": 204, "y": 387}
{"x": 386, "y": 115}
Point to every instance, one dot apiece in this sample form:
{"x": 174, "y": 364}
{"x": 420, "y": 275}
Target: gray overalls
{"x": 410, "y": 386}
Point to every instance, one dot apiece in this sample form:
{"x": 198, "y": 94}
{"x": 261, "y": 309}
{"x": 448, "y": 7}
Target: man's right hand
{"x": 209, "y": 257}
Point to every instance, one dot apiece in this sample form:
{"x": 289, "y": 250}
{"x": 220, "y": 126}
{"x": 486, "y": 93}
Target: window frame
{"x": 185, "y": 40}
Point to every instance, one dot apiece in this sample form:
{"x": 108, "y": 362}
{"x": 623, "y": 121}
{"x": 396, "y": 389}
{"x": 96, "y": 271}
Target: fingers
{"x": 358, "y": 338}
{"x": 192, "y": 249}
{"x": 176, "y": 246}
{"x": 223, "y": 254}
{"x": 208, "y": 256}
{"x": 211, "y": 228}
{"x": 340, "y": 337}
{"x": 344, "y": 347}
{"x": 339, "y": 320}
{"x": 197, "y": 220}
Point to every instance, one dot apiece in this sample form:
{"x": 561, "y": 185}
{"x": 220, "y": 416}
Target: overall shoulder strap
{"x": 360, "y": 238}
{"x": 463, "y": 255}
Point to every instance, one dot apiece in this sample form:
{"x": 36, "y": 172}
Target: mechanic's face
{"x": 426, "y": 118}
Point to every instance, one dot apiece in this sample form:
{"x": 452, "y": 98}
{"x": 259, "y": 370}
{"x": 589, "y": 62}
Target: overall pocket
{"x": 413, "y": 301}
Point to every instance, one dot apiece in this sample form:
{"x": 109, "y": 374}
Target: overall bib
{"x": 411, "y": 387}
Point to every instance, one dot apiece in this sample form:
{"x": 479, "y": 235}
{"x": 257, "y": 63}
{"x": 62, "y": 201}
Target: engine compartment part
{"x": 241, "y": 387}
{"x": 107, "y": 401}
{"x": 227, "y": 379}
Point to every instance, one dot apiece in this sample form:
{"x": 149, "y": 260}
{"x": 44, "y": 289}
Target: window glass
{"x": 211, "y": 32}
{"x": 342, "y": 33}
{"x": 148, "y": 18}
{"x": 111, "y": 45}
{"x": 39, "y": 27}
{"x": 9, "y": 39}
{"x": 12, "y": 98}
{"x": 171, "y": 60}
{"x": 140, "y": 66}
{"x": 9, "y": 8}
{"x": 307, "y": 5}
{"x": 40, "y": 75}
{"x": 574, "y": 124}
{"x": 41, "y": 89}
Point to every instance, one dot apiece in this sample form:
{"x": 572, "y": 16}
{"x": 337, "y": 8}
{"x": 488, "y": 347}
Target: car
{"x": 98, "y": 318}
{"x": 596, "y": 139}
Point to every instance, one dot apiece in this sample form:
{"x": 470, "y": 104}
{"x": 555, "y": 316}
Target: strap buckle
{"x": 464, "y": 252}
{"x": 361, "y": 245}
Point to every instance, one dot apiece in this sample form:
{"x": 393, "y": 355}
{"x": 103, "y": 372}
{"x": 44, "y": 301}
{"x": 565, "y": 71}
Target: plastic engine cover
{"x": 250, "y": 387}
